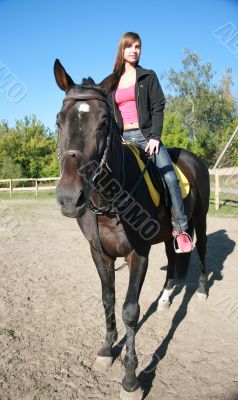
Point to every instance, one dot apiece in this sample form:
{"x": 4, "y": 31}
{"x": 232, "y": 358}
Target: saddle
{"x": 154, "y": 180}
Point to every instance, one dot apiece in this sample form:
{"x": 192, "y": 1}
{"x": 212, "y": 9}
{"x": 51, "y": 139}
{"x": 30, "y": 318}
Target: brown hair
{"x": 126, "y": 40}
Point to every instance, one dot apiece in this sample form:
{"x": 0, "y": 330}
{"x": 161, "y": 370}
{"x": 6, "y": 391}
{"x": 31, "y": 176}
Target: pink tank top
{"x": 125, "y": 99}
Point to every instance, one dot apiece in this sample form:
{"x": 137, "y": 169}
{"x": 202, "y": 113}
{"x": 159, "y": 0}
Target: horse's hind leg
{"x": 107, "y": 275}
{"x": 201, "y": 243}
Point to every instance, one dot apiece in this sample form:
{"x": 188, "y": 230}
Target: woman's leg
{"x": 179, "y": 219}
{"x": 136, "y": 137}
{"x": 164, "y": 163}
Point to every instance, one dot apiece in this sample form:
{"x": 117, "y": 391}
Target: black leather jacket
{"x": 150, "y": 103}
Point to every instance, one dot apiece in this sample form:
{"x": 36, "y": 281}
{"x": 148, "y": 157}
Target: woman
{"x": 138, "y": 106}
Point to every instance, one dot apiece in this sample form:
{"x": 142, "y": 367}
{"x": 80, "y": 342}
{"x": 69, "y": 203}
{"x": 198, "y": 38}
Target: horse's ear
{"x": 111, "y": 81}
{"x": 62, "y": 78}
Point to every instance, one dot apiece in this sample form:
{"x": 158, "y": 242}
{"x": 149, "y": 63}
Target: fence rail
{"x": 217, "y": 173}
{"x": 36, "y": 187}
{"x": 223, "y": 172}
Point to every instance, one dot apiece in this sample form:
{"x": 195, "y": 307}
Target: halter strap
{"x": 85, "y": 96}
{"x": 73, "y": 153}
{"x": 78, "y": 154}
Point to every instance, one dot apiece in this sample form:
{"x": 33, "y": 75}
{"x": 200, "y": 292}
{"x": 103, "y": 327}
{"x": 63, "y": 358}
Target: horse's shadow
{"x": 219, "y": 246}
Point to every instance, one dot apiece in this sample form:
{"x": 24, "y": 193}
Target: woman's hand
{"x": 152, "y": 146}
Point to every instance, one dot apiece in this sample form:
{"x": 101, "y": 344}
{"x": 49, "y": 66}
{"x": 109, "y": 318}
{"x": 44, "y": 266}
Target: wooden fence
{"x": 218, "y": 173}
{"x": 35, "y": 187}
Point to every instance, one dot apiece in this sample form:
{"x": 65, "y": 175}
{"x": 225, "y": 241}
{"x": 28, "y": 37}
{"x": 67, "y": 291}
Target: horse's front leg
{"x": 106, "y": 273}
{"x": 130, "y": 314}
{"x": 164, "y": 300}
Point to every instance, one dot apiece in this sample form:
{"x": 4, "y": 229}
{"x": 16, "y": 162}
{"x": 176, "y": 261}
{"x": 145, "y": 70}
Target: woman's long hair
{"x": 126, "y": 40}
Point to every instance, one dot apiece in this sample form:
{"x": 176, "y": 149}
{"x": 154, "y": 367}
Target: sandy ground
{"x": 52, "y": 320}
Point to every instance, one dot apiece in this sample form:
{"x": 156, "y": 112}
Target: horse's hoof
{"x": 202, "y": 297}
{"x": 136, "y": 395}
{"x": 163, "y": 306}
{"x": 102, "y": 363}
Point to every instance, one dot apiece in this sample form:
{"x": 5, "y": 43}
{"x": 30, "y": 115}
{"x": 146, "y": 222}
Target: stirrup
{"x": 176, "y": 248}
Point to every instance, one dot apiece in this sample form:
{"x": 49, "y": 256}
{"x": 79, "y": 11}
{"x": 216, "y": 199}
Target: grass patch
{"x": 47, "y": 390}
{"x": 28, "y": 195}
{"x": 224, "y": 211}
{"x": 14, "y": 361}
{"x": 226, "y": 197}
{"x": 8, "y": 332}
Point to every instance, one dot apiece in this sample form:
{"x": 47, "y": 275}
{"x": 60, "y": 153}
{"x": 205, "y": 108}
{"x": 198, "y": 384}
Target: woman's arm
{"x": 157, "y": 104}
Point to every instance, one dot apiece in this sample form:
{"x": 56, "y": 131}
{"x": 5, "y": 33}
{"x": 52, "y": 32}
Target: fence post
{"x": 36, "y": 187}
{"x": 217, "y": 189}
{"x": 10, "y": 188}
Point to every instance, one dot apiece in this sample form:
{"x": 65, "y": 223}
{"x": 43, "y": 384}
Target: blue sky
{"x": 84, "y": 35}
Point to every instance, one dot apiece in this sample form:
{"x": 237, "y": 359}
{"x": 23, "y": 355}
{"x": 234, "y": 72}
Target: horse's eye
{"x": 103, "y": 125}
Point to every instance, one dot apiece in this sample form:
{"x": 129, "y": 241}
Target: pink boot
{"x": 182, "y": 241}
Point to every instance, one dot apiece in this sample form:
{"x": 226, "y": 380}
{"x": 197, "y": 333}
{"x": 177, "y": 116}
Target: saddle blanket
{"x": 183, "y": 182}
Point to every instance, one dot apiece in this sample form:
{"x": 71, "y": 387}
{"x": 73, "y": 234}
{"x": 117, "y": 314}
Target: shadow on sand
{"x": 218, "y": 249}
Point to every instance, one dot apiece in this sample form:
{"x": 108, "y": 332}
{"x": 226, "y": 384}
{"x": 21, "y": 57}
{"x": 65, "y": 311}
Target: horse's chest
{"x": 113, "y": 237}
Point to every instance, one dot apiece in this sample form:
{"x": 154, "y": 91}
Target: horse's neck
{"x": 116, "y": 160}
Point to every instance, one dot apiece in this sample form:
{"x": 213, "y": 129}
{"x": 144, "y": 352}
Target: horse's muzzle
{"x": 72, "y": 202}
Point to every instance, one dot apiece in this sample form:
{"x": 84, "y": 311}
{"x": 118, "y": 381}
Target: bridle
{"x": 103, "y": 164}
{"x": 78, "y": 154}
{"x": 107, "y": 210}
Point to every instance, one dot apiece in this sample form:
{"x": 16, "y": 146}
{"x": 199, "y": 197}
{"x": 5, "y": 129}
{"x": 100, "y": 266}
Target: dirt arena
{"x": 52, "y": 321}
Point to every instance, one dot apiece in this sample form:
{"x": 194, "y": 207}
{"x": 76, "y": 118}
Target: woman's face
{"x": 132, "y": 53}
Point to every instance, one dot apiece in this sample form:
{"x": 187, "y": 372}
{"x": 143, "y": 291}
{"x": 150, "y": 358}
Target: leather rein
{"x": 103, "y": 164}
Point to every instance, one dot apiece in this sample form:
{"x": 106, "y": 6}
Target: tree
{"x": 174, "y": 132}
{"x": 230, "y": 158}
{"x": 205, "y": 109}
{"x": 30, "y": 146}
{"x": 9, "y": 169}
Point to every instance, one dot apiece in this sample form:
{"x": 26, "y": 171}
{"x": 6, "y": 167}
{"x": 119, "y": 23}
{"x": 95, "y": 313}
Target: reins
{"x": 106, "y": 210}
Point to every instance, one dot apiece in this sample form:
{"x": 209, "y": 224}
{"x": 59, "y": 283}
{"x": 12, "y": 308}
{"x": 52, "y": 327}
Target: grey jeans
{"x": 164, "y": 163}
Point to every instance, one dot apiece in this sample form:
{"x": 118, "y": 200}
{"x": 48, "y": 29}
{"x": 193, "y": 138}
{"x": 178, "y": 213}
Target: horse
{"x": 103, "y": 188}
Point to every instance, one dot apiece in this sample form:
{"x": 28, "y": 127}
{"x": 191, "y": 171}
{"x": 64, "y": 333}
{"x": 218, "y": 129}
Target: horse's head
{"x": 84, "y": 123}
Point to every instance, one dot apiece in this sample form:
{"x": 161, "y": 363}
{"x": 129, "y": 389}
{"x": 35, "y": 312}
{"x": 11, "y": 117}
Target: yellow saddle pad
{"x": 183, "y": 182}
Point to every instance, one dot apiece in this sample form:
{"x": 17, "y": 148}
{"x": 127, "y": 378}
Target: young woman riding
{"x": 138, "y": 106}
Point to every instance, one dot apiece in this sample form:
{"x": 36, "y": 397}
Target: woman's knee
{"x": 170, "y": 178}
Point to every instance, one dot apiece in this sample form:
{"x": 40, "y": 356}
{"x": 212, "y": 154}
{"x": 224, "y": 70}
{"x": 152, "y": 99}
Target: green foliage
{"x": 205, "y": 109}
{"x": 200, "y": 116}
{"x": 174, "y": 134}
{"x": 29, "y": 149}
{"x": 9, "y": 169}
{"x": 231, "y": 156}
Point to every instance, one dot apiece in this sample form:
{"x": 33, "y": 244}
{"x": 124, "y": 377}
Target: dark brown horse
{"x": 102, "y": 187}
